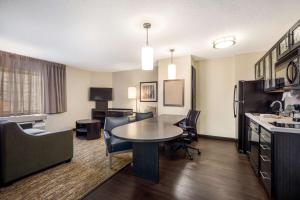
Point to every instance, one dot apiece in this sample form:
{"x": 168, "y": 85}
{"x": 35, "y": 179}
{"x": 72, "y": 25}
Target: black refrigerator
{"x": 249, "y": 97}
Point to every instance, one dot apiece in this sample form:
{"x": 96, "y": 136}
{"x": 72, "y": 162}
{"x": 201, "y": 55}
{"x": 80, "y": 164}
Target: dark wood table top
{"x": 87, "y": 121}
{"x": 156, "y": 129}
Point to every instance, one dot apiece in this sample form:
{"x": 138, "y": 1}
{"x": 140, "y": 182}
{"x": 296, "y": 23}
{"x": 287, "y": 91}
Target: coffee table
{"x": 91, "y": 128}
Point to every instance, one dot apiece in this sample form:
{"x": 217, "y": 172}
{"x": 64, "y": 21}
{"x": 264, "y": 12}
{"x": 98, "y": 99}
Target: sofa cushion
{"x": 119, "y": 145}
{"x": 33, "y": 131}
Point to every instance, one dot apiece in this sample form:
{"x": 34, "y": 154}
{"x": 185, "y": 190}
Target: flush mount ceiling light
{"x": 224, "y": 42}
{"x": 147, "y": 52}
{"x": 172, "y": 67}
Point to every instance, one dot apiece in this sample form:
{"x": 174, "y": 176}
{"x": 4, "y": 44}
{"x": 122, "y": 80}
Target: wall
{"x": 78, "y": 106}
{"x": 124, "y": 79}
{"x": 244, "y": 65}
{"x": 183, "y": 68}
{"x": 215, "y": 81}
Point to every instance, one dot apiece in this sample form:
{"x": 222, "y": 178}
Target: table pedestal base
{"x": 146, "y": 160}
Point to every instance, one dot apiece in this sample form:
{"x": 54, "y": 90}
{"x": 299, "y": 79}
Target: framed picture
{"x": 174, "y": 92}
{"x": 148, "y": 91}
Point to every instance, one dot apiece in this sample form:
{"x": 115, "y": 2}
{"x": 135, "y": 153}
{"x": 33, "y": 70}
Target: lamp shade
{"x": 171, "y": 71}
{"x": 131, "y": 92}
{"x": 147, "y": 58}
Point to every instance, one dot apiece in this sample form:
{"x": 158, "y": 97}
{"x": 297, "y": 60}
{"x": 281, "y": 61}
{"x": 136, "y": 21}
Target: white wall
{"x": 215, "y": 81}
{"x": 78, "y": 106}
{"x": 124, "y": 79}
{"x": 183, "y": 68}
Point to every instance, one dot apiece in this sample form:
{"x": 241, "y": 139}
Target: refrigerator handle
{"x": 234, "y": 101}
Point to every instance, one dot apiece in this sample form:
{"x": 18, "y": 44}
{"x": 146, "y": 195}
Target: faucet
{"x": 280, "y": 104}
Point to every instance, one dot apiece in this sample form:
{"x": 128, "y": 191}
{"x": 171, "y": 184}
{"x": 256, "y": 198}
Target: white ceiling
{"x": 108, "y": 35}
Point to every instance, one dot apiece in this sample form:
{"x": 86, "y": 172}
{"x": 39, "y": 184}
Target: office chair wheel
{"x": 199, "y": 152}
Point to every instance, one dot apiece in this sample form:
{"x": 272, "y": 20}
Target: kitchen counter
{"x": 265, "y": 122}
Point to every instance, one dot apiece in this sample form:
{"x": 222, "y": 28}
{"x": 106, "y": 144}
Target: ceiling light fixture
{"x": 224, "y": 42}
{"x": 172, "y": 67}
{"x": 147, "y": 52}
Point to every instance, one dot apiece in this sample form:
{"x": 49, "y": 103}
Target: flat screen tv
{"x": 100, "y": 94}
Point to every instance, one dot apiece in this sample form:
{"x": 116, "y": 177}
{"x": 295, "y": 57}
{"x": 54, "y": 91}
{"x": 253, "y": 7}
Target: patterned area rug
{"x": 88, "y": 168}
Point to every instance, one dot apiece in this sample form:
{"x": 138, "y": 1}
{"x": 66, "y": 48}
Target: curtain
{"x": 29, "y": 86}
{"x": 54, "y": 76}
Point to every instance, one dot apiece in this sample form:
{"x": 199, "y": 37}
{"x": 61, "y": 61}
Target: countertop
{"x": 265, "y": 122}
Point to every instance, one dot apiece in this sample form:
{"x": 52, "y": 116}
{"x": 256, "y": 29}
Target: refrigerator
{"x": 249, "y": 97}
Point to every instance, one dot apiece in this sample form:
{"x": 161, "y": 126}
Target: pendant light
{"x": 172, "y": 67}
{"x": 147, "y": 52}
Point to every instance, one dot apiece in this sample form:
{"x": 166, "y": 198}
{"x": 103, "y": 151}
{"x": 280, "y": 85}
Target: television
{"x": 100, "y": 94}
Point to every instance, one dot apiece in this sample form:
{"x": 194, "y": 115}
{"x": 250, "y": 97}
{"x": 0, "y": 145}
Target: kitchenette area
{"x": 267, "y": 113}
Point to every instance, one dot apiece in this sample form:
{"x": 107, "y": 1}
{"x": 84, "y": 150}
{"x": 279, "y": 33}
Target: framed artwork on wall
{"x": 174, "y": 92}
{"x": 148, "y": 91}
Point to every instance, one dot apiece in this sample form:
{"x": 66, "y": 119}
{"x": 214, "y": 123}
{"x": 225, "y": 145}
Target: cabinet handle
{"x": 265, "y": 147}
{"x": 265, "y": 175}
{"x": 265, "y": 158}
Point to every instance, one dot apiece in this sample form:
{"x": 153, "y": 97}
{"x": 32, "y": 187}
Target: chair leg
{"x": 110, "y": 160}
{"x": 106, "y": 153}
{"x": 196, "y": 149}
{"x": 188, "y": 153}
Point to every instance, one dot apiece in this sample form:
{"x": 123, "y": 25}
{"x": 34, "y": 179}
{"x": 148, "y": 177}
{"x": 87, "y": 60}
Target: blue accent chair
{"x": 113, "y": 144}
{"x": 142, "y": 116}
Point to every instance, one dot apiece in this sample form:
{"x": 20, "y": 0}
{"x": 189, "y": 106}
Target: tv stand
{"x": 100, "y": 114}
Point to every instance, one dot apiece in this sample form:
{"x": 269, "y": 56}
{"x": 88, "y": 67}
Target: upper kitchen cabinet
{"x": 273, "y": 60}
{"x": 259, "y": 70}
{"x": 283, "y": 46}
{"x": 295, "y": 35}
{"x": 268, "y": 71}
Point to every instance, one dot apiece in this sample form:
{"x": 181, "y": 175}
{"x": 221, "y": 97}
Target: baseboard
{"x": 217, "y": 137}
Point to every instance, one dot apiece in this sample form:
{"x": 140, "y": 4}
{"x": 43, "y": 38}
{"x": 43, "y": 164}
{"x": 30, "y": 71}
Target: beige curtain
{"x": 54, "y": 76}
{"x": 27, "y": 86}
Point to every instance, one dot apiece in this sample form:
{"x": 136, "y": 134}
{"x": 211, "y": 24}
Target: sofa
{"x": 26, "y": 151}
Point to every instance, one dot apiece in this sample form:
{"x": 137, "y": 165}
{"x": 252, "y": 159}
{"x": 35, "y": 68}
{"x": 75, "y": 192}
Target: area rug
{"x": 88, "y": 168}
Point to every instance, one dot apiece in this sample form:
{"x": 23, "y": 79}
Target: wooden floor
{"x": 218, "y": 173}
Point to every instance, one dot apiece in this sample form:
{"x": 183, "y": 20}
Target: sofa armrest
{"x": 22, "y": 154}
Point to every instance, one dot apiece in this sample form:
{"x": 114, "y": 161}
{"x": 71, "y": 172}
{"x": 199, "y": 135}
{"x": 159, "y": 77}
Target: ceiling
{"x": 108, "y": 35}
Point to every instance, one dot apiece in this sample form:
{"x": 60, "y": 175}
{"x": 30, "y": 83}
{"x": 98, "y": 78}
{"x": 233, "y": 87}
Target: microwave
{"x": 287, "y": 73}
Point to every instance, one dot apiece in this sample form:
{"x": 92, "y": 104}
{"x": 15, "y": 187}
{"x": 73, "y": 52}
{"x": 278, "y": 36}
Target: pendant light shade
{"x": 147, "y": 52}
{"x": 147, "y": 58}
{"x": 172, "y": 67}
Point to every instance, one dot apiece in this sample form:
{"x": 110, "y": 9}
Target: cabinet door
{"x": 267, "y": 71}
{"x": 257, "y": 72}
{"x": 295, "y": 35}
{"x": 261, "y": 68}
{"x": 283, "y": 46}
{"x": 273, "y": 61}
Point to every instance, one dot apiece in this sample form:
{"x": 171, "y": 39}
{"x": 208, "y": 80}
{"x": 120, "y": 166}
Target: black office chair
{"x": 189, "y": 126}
{"x": 142, "y": 116}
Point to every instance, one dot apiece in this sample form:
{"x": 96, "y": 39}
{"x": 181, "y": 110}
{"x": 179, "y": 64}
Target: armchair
{"x": 23, "y": 153}
{"x": 115, "y": 145}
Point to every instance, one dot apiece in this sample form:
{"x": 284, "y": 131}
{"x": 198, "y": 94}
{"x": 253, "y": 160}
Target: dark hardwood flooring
{"x": 218, "y": 173}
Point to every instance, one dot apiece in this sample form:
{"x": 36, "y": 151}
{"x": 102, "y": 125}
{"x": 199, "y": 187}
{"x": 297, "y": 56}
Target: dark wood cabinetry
{"x": 295, "y": 35}
{"x": 259, "y": 70}
{"x": 265, "y": 68}
{"x": 100, "y": 114}
{"x": 278, "y": 162}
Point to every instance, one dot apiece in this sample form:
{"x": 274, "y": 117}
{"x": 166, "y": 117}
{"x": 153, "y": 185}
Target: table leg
{"x": 146, "y": 160}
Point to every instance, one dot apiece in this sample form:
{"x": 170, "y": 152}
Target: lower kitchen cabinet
{"x": 279, "y": 163}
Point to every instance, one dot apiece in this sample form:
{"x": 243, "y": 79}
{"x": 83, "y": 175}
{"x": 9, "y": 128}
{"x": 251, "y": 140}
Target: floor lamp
{"x": 132, "y": 95}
